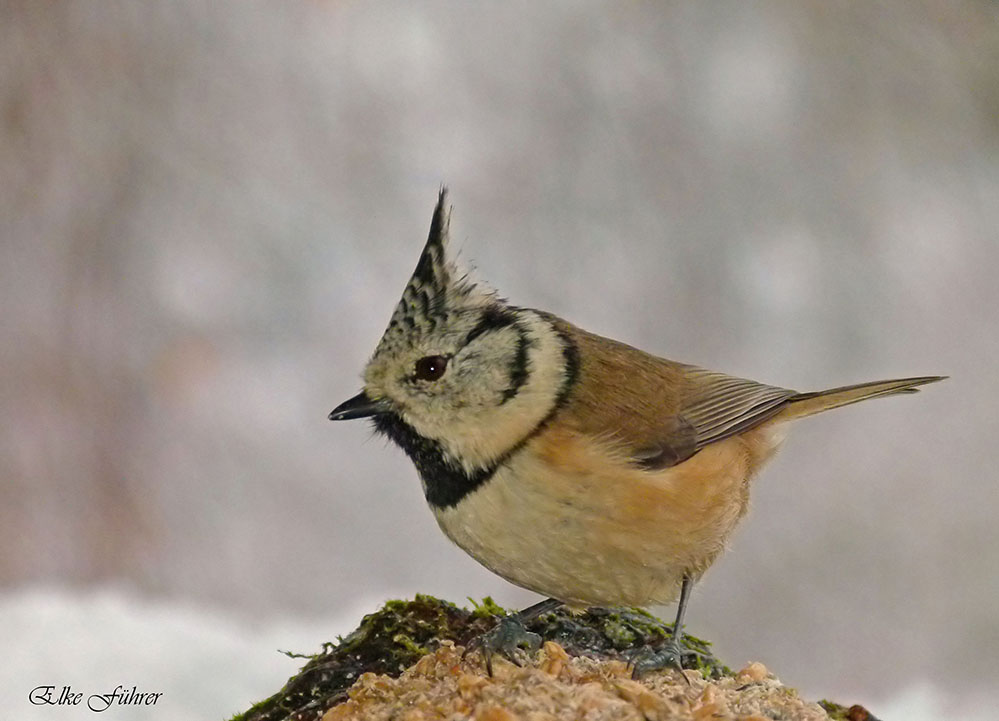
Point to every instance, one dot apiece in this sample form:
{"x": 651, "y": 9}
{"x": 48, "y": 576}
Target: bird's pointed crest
{"x": 437, "y": 287}
{"x": 433, "y": 272}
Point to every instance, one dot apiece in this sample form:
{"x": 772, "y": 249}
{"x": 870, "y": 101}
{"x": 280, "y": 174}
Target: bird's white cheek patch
{"x": 489, "y": 432}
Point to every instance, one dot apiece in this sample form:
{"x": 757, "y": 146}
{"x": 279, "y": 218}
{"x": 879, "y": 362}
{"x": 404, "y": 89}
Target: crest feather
{"x": 437, "y": 287}
{"x": 434, "y": 270}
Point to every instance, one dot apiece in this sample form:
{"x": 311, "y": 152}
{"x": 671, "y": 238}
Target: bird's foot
{"x": 671, "y": 655}
{"x": 508, "y": 638}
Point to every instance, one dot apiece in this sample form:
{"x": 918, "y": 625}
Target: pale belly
{"x": 565, "y": 520}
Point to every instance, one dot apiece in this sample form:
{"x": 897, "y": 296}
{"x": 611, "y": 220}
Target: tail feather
{"x": 806, "y": 404}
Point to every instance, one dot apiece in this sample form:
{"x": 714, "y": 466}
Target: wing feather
{"x": 720, "y": 406}
{"x": 658, "y": 411}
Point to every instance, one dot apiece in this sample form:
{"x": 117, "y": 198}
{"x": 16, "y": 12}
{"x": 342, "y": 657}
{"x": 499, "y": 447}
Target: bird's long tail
{"x": 806, "y": 404}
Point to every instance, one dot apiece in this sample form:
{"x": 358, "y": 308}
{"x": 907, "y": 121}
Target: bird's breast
{"x": 570, "y": 517}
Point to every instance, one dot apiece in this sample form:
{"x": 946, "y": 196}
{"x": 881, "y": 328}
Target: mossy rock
{"x": 397, "y": 635}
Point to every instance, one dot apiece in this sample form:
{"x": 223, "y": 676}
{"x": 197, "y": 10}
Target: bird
{"x": 570, "y": 464}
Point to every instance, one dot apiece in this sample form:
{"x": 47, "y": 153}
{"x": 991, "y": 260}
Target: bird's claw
{"x": 508, "y": 638}
{"x": 670, "y": 656}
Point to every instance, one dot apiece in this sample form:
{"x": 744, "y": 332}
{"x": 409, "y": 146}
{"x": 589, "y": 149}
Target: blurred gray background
{"x": 210, "y": 210}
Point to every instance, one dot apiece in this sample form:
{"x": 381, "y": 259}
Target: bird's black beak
{"x": 360, "y": 406}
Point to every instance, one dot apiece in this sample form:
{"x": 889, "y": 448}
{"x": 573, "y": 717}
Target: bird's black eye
{"x": 431, "y": 367}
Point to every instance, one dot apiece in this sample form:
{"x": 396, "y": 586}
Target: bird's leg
{"x": 509, "y": 637}
{"x": 672, "y": 653}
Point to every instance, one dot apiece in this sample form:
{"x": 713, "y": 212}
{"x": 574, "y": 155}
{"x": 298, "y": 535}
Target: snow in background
{"x": 207, "y": 664}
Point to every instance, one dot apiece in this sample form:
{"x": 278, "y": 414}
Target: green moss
{"x": 387, "y": 641}
{"x": 835, "y": 711}
{"x": 407, "y": 643}
{"x": 618, "y": 633}
{"x": 621, "y": 633}
{"x": 487, "y": 608}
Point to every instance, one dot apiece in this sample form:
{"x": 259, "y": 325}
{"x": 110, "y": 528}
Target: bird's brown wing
{"x": 720, "y": 406}
{"x": 714, "y": 407}
{"x": 661, "y": 411}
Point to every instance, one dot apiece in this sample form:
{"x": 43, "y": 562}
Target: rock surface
{"x": 406, "y": 662}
